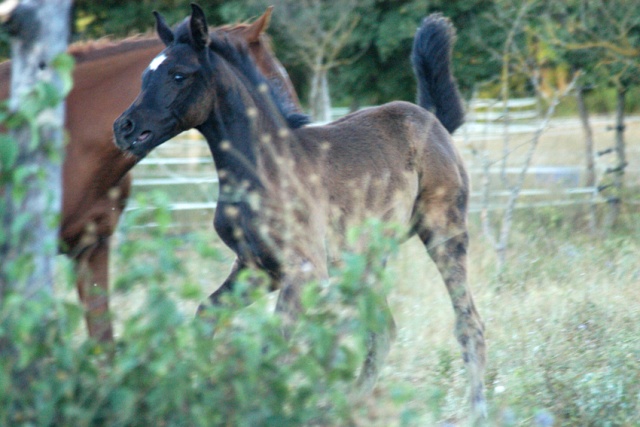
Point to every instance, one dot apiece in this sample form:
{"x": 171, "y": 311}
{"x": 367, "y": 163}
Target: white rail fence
{"x": 184, "y": 170}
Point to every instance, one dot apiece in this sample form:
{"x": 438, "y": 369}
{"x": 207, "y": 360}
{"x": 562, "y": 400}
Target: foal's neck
{"x": 244, "y": 131}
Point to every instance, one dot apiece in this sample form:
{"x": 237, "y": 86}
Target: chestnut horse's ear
{"x": 163, "y": 30}
{"x": 259, "y": 26}
{"x": 198, "y": 27}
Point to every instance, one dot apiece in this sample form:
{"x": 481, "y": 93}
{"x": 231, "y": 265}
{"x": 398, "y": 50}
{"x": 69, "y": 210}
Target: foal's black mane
{"x": 236, "y": 53}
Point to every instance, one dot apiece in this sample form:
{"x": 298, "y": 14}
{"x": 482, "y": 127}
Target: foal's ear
{"x": 163, "y": 30}
{"x": 198, "y": 27}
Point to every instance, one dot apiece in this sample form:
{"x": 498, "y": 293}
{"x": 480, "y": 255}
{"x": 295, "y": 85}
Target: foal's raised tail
{"x": 431, "y": 58}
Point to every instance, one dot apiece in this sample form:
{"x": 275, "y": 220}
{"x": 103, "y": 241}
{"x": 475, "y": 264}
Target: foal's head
{"x": 175, "y": 94}
{"x": 182, "y": 84}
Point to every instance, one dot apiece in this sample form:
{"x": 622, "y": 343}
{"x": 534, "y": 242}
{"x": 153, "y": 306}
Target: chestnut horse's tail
{"x": 431, "y": 58}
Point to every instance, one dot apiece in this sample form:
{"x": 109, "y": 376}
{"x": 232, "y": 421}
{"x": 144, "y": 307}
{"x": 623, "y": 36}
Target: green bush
{"x": 168, "y": 368}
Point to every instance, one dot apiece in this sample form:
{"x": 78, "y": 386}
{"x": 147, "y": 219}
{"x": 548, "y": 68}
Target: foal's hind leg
{"x": 378, "y": 346}
{"x": 298, "y": 271}
{"x": 443, "y": 230}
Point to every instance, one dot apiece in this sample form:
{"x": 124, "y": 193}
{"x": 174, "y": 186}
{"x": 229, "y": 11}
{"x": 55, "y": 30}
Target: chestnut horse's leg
{"x": 91, "y": 235}
{"x": 92, "y": 271}
{"x": 443, "y": 230}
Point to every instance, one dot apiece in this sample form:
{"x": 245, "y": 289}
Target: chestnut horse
{"x": 288, "y": 192}
{"x": 96, "y": 181}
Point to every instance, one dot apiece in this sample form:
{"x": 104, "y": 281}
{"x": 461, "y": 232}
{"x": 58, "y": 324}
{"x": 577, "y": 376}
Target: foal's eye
{"x": 179, "y": 77}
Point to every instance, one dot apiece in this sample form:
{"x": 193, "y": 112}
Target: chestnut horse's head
{"x": 176, "y": 92}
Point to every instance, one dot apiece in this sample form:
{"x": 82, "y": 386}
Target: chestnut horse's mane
{"x": 107, "y": 46}
{"x": 92, "y": 50}
{"x": 104, "y": 47}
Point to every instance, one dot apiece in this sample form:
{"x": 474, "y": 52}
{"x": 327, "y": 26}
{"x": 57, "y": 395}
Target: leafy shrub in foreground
{"x": 169, "y": 369}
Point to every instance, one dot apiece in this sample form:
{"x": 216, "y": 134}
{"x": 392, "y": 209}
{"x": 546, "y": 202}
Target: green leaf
{"x": 64, "y": 64}
{"x": 8, "y": 152}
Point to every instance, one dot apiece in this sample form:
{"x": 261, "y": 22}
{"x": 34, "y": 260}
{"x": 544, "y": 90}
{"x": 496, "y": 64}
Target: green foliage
{"x": 168, "y": 368}
{"x": 381, "y": 42}
{"x": 121, "y": 17}
{"x": 597, "y": 36}
{"x": 383, "y": 72}
{"x": 603, "y": 100}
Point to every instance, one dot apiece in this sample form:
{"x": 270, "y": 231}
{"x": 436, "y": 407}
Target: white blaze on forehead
{"x": 157, "y": 61}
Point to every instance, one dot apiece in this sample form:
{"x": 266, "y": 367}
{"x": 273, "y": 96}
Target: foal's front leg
{"x": 215, "y": 299}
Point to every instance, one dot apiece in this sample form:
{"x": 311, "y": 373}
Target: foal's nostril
{"x": 126, "y": 126}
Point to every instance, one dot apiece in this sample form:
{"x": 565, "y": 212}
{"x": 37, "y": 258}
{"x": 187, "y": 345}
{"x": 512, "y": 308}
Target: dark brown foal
{"x": 289, "y": 193}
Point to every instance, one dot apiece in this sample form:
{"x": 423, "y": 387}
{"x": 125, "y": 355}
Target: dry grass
{"x": 569, "y": 311}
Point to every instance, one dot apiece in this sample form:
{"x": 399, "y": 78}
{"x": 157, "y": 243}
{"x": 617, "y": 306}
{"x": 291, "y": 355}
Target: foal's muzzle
{"x": 129, "y": 137}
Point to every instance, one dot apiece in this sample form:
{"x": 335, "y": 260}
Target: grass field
{"x": 562, "y": 324}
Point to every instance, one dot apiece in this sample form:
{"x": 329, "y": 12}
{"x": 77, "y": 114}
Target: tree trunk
{"x": 31, "y": 199}
{"x": 320, "y": 101}
{"x": 590, "y": 177}
{"x": 615, "y": 200}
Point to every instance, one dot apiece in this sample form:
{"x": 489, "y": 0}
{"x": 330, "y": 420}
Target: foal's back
{"x": 387, "y": 157}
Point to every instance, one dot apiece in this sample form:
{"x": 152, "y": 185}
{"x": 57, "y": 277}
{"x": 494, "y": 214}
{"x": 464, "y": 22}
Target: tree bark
{"x": 31, "y": 194}
{"x": 320, "y": 100}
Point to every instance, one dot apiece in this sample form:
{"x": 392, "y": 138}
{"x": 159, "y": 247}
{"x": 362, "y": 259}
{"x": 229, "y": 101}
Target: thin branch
{"x": 506, "y": 65}
{"x": 515, "y": 190}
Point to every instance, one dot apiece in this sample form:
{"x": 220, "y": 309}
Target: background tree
{"x": 93, "y": 19}
{"x": 370, "y": 61}
{"x": 30, "y": 156}
{"x": 318, "y": 32}
{"x": 523, "y": 55}
{"x": 374, "y": 67}
{"x": 601, "y": 37}
{"x": 384, "y": 72}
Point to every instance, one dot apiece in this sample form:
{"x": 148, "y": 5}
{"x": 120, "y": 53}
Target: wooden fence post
{"x": 617, "y": 172}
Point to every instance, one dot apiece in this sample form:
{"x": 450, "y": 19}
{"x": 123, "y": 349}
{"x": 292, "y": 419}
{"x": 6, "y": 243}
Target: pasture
{"x": 563, "y": 326}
